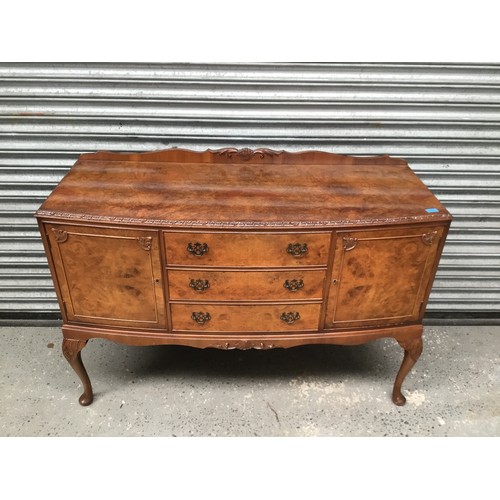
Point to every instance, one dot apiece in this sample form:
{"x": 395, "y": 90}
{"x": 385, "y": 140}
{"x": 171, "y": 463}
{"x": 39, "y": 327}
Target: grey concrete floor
{"x": 454, "y": 389}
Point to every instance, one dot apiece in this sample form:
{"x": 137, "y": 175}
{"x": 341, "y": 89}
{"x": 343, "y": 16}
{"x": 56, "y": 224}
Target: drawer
{"x": 245, "y": 318}
{"x": 247, "y": 249}
{"x": 200, "y": 284}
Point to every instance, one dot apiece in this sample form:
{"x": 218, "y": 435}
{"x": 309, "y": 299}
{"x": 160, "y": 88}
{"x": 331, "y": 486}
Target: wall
{"x": 442, "y": 118}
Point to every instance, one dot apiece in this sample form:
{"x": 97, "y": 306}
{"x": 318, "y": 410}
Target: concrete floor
{"x": 454, "y": 389}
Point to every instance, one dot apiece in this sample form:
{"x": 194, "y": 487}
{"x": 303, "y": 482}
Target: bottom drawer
{"x": 245, "y": 318}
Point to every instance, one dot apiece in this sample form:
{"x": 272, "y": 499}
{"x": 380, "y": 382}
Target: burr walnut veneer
{"x": 240, "y": 249}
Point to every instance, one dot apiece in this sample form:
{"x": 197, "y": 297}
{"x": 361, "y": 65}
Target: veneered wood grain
{"x": 247, "y": 249}
{"x": 247, "y": 206}
{"x": 245, "y": 285}
{"x": 246, "y": 318}
{"x": 380, "y": 277}
{"x": 109, "y": 276}
{"x": 185, "y": 188}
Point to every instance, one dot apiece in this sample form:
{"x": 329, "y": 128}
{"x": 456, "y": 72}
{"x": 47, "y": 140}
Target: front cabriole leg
{"x": 71, "y": 349}
{"x": 413, "y": 350}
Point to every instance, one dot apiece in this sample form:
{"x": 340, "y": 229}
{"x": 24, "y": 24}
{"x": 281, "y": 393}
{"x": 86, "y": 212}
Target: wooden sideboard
{"x": 242, "y": 249}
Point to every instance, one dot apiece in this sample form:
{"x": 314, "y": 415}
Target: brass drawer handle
{"x": 290, "y": 317}
{"x": 199, "y": 285}
{"x": 297, "y": 249}
{"x": 293, "y": 285}
{"x": 200, "y": 317}
{"x": 197, "y": 249}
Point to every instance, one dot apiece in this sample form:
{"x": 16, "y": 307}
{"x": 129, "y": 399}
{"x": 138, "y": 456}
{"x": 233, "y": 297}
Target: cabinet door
{"x": 108, "y": 276}
{"x": 380, "y": 277}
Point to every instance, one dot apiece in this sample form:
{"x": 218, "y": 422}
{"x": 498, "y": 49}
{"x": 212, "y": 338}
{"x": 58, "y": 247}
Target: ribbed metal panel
{"x": 444, "y": 119}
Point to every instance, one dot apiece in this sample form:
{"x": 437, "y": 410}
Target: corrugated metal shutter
{"x": 442, "y": 118}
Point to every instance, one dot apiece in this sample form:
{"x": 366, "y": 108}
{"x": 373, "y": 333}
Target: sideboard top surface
{"x": 248, "y": 188}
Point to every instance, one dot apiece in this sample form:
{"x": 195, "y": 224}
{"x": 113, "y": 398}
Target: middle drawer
{"x": 199, "y": 284}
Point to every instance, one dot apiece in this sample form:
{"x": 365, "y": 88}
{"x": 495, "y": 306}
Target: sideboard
{"x": 242, "y": 249}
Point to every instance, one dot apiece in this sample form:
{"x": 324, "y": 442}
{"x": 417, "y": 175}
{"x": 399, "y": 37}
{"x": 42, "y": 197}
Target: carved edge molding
{"x": 428, "y": 238}
{"x": 243, "y": 345}
{"x": 60, "y": 235}
{"x": 349, "y": 243}
{"x": 246, "y": 154}
{"x": 224, "y": 224}
{"x": 145, "y": 242}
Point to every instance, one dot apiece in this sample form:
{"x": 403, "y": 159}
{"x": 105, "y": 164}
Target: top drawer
{"x": 247, "y": 249}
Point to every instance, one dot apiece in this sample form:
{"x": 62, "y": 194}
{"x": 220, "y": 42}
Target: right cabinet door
{"x": 381, "y": 277}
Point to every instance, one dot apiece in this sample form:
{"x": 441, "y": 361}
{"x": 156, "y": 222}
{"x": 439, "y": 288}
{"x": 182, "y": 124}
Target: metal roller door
{"x": 444, "y": 119}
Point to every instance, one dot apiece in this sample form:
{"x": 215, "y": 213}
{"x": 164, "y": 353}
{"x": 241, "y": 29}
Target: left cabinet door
{"x": 108, "y": 276}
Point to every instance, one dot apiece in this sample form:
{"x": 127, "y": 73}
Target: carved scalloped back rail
{"x": 234, "y": 155}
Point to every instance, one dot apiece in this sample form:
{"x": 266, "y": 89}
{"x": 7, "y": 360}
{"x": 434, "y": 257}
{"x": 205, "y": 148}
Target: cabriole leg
{"x": 71, "y": 349}
{"x": 413, "y": 350}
